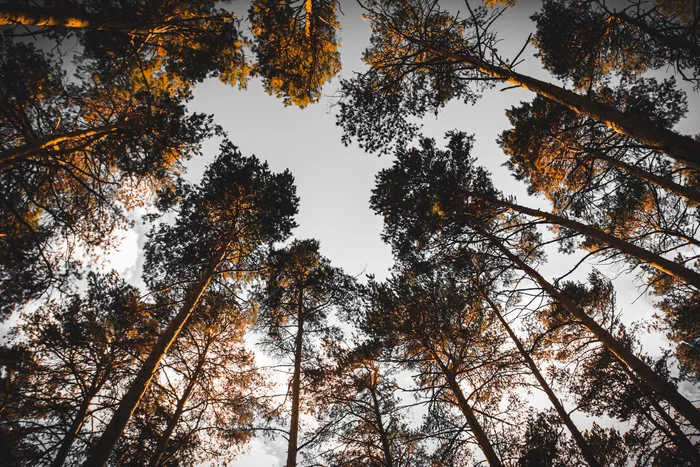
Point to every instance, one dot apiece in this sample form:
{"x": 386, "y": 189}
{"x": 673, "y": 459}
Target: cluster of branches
{"x": 462, "y": 332}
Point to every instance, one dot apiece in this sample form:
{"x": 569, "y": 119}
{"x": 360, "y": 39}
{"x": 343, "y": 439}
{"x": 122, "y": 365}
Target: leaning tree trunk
{"x": 641, "y": 369}
{"x": 473, "y": 422}
{"x": 100, "y": 453}
{"x": 680, "y": 147}
{"x": 563, "y": 414}
{"x": 293, "y": 445}
{"x": 180, "y": 409}
{"x": 659, "y": 262}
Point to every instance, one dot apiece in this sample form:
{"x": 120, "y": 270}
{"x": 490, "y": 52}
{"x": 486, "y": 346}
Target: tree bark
{"x": 474, "y": 425}
{"x": 641, "y": 369}
{"x": 179, "y": 410}
{"x": 659, "y": 262}
{"x": 680, "y": 147}
{"x": 563, "y": 414}
{"x": 100, "y": 453}
{"x": 296, "y": 386}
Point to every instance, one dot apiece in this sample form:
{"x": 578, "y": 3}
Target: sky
{"x": 334, "y": 182}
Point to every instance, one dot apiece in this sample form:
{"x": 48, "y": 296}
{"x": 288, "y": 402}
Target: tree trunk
{"x": 386, "y": 446}
{"x": 296, "y": 387}
{"x": 465, "y": 408}
{"x": 683, "y": 191}
{"x": 563, "y": 414}
{"x": 45, "y": 17}
{"x": 100, "y": 453}
{"x": 641, "y": 369}
{"x": 11, "y": 158}
{"x": 179, "y": 410}
{"x": 680, "y": 147}
{"x": 662, "y": 264}
{"x": 98, "y": 381}
{"x": 676, "y": 434}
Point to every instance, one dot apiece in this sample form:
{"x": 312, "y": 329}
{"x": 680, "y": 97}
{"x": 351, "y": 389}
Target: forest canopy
{"x": 497, "y": 338}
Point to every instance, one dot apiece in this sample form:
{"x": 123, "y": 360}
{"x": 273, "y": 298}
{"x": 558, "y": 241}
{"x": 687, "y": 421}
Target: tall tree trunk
{"x": 67, "y": 443}
{"x": 46, "y": 17}
{"x": 676, "y": 434}
{"x": 473, "y": 422}
{"x": 641, "y": 369}
{"x": 384, "y": 438}
{"x": 13, "y": 157}
{"x": 563, "y": 414}
{"x": 683, "y": 191}
{"x": 293, "y": 446}
{"x": 680, "y": 147}
{"x": 659, "y": 262}
{"x": 180, "y": 408}
{"x": 101, "y": 451}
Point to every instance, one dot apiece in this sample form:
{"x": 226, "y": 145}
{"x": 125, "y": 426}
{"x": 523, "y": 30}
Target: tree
{"x": 301, "y": 288}
{"x": 628, "y": 39}
{"x": 169, "y": 43}
{"x": 423, "y": 56}
{"x": 79, "y": 348}
{"x": 222, "y": 229}
{"x": 74, "y": 158}
{"x": 296, "y": 47}
{"x": 429, "y": 203}
{"x": 428, "y": 323}
{"x": 201, "y": 406}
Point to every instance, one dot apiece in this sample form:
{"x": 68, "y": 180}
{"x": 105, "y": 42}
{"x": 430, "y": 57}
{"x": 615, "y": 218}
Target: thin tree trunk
{"x": 80, "y": 416}
{"x": 563, "y": 414}
{"x": 465, "y": 408}
{"x": 11, "y": 158}
{"x": 386, "y": 446}
{"x": 179, "y": 410}
{"x": 680, "y": 147}
{"x": 641, "y": 369}
{"x": 683, "y": 191}
{"x": 296, "y": 386}
{"x": 659, "y": 262}
{"x": 100, "y": 453}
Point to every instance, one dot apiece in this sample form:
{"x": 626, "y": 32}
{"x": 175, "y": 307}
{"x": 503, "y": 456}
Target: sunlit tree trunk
{"x": 563, "y": 414}
{"x": 680, "y": 147}
{"x": 45, "y": 17}
{"x": 659, "y": 262}
{"x": 473, "y": 422}
{"x": 14, "y": 157}
{"x": 641, "y": 369}
{"x": 296, "y": 385}
{"x": 179, "y": 410}
{"x": 100, "y": 453}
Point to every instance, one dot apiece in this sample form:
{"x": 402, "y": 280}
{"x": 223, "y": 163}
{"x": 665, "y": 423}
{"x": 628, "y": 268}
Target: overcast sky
{"x": 334, "y": 182}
